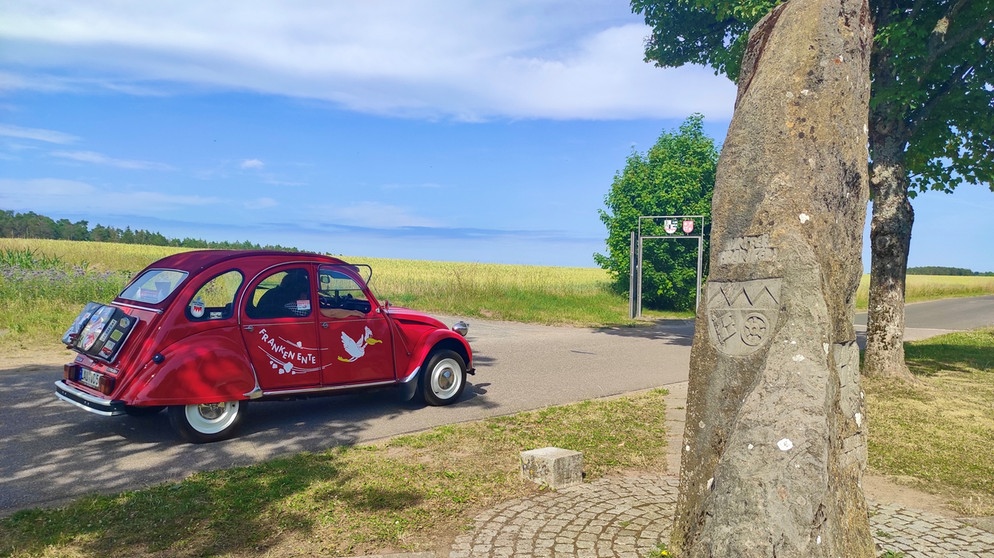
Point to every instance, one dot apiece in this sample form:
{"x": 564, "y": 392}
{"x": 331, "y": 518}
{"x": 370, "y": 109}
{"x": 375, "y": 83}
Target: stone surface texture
{"x": 775, "y": 445}
{"x": 553, "y": 467}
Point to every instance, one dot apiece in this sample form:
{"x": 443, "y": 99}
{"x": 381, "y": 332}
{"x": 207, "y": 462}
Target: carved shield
{"x": 742, "y": 315}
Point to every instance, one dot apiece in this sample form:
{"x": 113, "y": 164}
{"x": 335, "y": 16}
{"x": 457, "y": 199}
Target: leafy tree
{"x": 932, "y": 95}
{"x": 67, "y": 230}
{"x": 675, "y": 177}
{"x": 32, "y": 225}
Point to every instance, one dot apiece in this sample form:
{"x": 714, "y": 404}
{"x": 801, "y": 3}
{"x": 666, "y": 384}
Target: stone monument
{"x": 775, "y": 441}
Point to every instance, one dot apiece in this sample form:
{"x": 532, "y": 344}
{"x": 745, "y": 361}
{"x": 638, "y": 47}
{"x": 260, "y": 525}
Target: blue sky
{"x": 445, "y": 130}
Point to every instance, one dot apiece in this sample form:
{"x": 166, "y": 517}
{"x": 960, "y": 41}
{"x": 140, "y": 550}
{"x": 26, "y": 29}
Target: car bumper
{"x": 86, "y": 401}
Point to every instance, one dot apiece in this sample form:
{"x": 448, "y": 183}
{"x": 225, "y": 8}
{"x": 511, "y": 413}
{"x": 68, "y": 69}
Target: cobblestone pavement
{"x": 628, "y": 516}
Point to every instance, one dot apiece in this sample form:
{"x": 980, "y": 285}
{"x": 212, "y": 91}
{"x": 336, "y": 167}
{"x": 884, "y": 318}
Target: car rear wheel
{"x": 207, "y": 422}
{"x": 443, "y": 380}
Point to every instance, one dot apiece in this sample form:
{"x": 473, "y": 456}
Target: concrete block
{"x": 553, "y": 467}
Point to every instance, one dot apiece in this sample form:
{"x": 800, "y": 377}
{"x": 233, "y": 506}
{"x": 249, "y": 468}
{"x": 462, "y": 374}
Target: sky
{"x": 454, "y": 130}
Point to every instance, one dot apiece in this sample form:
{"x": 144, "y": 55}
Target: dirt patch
{"x": 29, "y": 360}
{"x": 885, "y": 490}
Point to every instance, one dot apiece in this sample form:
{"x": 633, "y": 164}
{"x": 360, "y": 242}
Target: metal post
{"x": 638, "y": 301}
{"x": 670, "y": 236}
{"x": 632, "y": 264}
{"x": 700, "y": 254}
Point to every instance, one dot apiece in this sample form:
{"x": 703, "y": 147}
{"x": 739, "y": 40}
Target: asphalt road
{"x": 52, "y": 452}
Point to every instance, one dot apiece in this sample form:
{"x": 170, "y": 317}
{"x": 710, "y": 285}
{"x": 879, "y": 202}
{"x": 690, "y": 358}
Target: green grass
{"x": 402, "y": 494}
{"x": 937, "y": 435}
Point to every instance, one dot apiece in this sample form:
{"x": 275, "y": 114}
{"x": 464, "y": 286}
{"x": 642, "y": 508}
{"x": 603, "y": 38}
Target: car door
{"x": 279, "y": 327}
{"x": 355, "y": 335}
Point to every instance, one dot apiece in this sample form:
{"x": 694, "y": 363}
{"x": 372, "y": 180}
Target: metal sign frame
{"x": 670, "y": 226}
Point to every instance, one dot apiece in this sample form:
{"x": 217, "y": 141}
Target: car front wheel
{"x": 207, "y": 422}
{"x": 443, "y": 380}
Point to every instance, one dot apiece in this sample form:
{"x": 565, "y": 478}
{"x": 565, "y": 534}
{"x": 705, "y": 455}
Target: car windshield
{"x": 154, "y": 285}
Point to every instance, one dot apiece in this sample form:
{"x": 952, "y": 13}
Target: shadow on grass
{"x": 964, "y": 352}
{"x": 928, "y": 361}
{"x": 234, "y": 511}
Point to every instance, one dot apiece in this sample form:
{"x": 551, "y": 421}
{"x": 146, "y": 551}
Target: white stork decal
{"x": 357, "y": 348}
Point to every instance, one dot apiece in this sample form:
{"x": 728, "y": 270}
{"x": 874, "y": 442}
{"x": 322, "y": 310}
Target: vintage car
{"x": 202, "y": 333}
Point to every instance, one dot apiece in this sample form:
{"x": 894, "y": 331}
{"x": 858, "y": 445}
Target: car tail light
{"x": 106, "y": 385}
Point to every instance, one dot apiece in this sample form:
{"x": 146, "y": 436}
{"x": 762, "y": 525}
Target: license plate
{"x": 89, "y": 378}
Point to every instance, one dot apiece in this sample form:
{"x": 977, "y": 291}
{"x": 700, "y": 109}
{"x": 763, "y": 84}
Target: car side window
{"x": 215, "y": 300}
{"x": 283, "y": 294}
{"x": 341, "y": 296}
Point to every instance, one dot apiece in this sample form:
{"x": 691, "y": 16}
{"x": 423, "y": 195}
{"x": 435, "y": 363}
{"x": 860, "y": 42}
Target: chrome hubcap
{"x": 212, "y": 411}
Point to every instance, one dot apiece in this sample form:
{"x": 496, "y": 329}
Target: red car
{"x": 202, "y": 333}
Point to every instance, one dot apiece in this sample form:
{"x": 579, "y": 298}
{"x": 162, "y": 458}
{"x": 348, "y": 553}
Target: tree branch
{"x": 919, "y": 115}
{"x": 941, "y": 43}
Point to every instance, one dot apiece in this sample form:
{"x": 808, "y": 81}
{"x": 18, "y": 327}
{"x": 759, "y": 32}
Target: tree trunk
{"x": 774, "y": 443}
{"x": 890, "y": 242}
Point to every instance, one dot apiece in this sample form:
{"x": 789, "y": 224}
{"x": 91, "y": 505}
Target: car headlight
{"x": 461, "y": 327}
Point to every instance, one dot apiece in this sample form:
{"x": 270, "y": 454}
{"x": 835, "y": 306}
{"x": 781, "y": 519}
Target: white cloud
{"x": 252, "y": 164}
{"x": 429, "y": 58}
{"x": 54, "y": 195}
{"x": 37, "y": 134}
{"x": 100, "y": 159}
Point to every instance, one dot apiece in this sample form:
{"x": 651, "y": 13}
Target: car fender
{"x": 209, "y": 367}
{"x": 438, "y": 339}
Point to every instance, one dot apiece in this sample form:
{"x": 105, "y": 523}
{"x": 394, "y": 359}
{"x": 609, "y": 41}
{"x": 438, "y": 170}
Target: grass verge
{"x": 403, "y": 494}
{"x": 937, "y": 435}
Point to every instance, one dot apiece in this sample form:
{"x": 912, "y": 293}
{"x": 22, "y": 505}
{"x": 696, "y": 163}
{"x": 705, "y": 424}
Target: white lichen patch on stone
{"x": 825, "y": 346}
{"x": 785, "y": 444}
{"x": 859, "y": 419}
{"x": 804, "y": 217}
{"x": 701, "y": 424}
{"x": 710, "y": 483}
{"x": 750, "y": 446}
{"x": 798, "y": 358}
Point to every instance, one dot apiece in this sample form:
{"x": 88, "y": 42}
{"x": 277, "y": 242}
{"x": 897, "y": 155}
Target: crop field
{"x": 44, "y": 284}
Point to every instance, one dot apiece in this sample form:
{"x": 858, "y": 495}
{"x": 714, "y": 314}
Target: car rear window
{"x": 154, "y": 285}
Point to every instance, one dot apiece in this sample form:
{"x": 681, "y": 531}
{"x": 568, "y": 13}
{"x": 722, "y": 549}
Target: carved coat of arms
{"x": 742, "y": 315}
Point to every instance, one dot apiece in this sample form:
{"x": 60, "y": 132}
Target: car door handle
{"x": 324, "y": 325}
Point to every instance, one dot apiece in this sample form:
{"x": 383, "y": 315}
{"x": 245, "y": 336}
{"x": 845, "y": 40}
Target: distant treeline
{"x": 32, "y": 225}
{"x": 939, "y": 270}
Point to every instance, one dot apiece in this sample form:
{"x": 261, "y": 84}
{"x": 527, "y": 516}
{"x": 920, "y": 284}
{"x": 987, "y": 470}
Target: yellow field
{"x": 40, "y": 310}
{"x": 99, "y": 256}
{"x": 933, "y": 287}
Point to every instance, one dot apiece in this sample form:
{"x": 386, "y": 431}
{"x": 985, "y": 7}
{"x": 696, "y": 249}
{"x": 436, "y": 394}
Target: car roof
{"x": 196, "y": 260}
